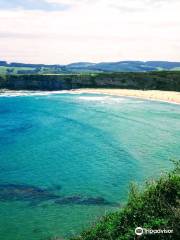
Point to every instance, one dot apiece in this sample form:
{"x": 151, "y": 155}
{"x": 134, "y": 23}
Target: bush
{"x": 156, "y": 207}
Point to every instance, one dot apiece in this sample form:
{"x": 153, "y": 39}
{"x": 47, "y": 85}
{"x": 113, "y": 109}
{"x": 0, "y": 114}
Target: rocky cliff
{"x": 154, "y": 80}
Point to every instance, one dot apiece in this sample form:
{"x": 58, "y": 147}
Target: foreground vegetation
{"x": 156, "y": 207}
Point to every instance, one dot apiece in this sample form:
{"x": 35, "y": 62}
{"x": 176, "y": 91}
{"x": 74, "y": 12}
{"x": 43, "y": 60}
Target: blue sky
{"x": 33, "y": 5}
{"x": 64, "y": 31}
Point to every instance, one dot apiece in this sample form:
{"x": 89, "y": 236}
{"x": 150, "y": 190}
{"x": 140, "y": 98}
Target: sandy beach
{"x": 165, "y": 96}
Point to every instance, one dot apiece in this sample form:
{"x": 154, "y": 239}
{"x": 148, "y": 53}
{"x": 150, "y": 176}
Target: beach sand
{"x": 165, "y": 96}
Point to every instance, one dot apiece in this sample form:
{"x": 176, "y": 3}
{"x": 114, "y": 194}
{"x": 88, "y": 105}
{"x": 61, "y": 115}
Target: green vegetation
{"x": 88, "y": 67}
{"x": 176, "y": 69}
{"x": 16, "y": 70}
{"x": 160, "y": 80}
{"x": 155, "y": 207}
{"x": 30, "y": 70}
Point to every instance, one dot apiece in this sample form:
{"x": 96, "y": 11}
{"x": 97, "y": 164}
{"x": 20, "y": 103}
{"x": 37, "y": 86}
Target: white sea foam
{"x": 91, "y": 97}
{"x": 102, "y": 99}
{"x": 12, "y": 93}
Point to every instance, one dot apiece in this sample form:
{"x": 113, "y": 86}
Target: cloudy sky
{"x": 64, "y": 31}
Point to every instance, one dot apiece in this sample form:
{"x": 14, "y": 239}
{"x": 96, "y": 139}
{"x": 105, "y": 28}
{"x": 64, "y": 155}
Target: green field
{"x": 14, "y": 70}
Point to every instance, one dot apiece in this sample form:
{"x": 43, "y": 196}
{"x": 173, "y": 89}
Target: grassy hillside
{"x": 156, "y": 207}
{"x": 15, "y": 70}
{"x": 81, "y": 67}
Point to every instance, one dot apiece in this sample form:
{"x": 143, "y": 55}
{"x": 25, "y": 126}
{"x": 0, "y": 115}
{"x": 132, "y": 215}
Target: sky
{"x": 65, "y": 31}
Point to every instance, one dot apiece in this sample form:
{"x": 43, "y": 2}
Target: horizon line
{"x": 73, "y": 62}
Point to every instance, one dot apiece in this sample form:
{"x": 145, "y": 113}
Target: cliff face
{"x": 169, "y": 81}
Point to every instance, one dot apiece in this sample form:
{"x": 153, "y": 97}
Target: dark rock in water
{"x": 69, "y": 200}
{"x": 15, "y": 192}
{"x": 36, "y": 195}
{"x": 83, "y": 200}
{"x": 97, "y": 200}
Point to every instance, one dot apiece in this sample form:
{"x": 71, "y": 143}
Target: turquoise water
{"x": 85, "y": 145}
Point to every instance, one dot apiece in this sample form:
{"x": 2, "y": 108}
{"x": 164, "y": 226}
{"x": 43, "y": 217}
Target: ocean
{"x": 67, "y": 159}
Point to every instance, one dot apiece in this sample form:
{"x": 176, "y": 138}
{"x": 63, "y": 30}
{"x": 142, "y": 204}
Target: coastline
{"x": 172, "y": 97}
{"x": 154, "y": 95}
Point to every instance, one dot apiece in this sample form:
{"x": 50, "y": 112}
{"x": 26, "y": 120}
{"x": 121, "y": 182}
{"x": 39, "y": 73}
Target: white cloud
{"x": 99, "y": 30}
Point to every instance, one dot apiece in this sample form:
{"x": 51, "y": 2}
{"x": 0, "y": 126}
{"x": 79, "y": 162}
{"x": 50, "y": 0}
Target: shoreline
{"x": 153, "y": 95}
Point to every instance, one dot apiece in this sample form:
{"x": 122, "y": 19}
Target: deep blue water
{"x": 86, "y": 145}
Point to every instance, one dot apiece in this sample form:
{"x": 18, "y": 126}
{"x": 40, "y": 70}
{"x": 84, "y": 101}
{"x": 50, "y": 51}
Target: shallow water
{"x": 87, "y": 145}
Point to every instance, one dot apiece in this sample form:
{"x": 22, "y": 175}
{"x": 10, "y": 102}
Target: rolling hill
{"x": 81, "y": 67}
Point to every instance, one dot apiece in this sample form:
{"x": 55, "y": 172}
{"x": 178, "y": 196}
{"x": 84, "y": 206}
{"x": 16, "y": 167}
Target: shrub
{"x": 157, "y": 206}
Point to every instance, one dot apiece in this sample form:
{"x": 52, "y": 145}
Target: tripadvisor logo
{"x": 140, "y": 231}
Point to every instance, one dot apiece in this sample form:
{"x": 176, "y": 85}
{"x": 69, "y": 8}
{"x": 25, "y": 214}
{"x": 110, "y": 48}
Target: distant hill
{"x": 80, "y": 67}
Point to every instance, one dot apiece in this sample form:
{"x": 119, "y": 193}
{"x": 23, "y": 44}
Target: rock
{"x": 36, "y": 195}
{"x": 82, "y": 200}
{"x": 18, "y": 192}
